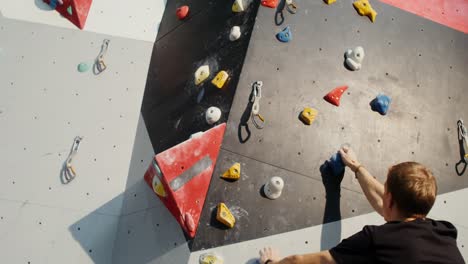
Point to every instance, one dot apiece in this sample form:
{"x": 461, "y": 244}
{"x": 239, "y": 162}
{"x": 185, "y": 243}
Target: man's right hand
{"x": 349, "y": 158}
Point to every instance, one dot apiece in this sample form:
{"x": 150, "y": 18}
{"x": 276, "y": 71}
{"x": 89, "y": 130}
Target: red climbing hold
{"x": 181, "y": 175}
{"x": 74, "y": 10}
{"x": 270, "y": 3}
{"x": 334, "y": 96}
{"x": 182, "y": 12}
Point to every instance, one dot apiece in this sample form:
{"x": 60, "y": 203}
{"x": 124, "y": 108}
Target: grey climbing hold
{"x": 212, "y": 115}
{"x": 354, "y": 58}
{"x": 235, "y": 33}
{"x": 274, "y": 187}
{"x": 83, "y": 67}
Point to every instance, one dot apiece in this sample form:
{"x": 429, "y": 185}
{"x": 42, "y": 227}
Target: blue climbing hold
{"x": 285, "y": 35}
{"x": 380, "y": 104}
{"x": 336, "y": 164}
{"x": 53, "y": 4}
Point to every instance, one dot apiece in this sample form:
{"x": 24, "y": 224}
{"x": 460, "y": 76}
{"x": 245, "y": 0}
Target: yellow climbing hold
{"x": 240, "y": 5}
{"x": 364, "y": 8}
{"x": 210, "y": 258}
{"x": 220, "y": 79}
{"x": 329, "y": 2}
{"x": 158, "y": 188}
{"x": 201, "y": 74}
{"x": 225, "y": 216}
{"x": 233, "y": 173}
{"x": 308, "y": 115}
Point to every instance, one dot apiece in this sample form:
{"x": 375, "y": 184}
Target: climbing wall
{"x": 416, "y": 62}
{"x": 44, "y": 104}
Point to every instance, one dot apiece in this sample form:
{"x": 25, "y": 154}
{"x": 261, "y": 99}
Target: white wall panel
{"x": 137, "y": 20}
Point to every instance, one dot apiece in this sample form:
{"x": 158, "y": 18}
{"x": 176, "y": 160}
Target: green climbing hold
{"x": 69, "y": 10}
{"x": 83, "y": 67}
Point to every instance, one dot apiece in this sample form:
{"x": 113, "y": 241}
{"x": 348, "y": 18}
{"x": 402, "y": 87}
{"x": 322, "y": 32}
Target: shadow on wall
{"x": 145, "y": 232}
{"x": 331, "y": 228}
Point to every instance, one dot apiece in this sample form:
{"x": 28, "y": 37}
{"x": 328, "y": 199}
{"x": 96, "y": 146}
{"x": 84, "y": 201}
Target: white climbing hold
{"x": 201, "y": 74}
{"x": 235, "y": 33}
{"x": 274, "y": 187}
{"x": 194, "y": 135}
{"x": 354, "y": 58}
{"x": 212, "y": 115}
{"x": 210, "y": 258}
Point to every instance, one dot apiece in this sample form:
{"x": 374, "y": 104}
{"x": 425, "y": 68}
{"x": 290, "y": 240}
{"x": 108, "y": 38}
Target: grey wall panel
{"x": 428, "y": 91}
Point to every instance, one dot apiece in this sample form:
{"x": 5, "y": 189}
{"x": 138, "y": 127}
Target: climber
{"x": 408, "y": 236}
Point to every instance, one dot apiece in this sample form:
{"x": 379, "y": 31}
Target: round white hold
{"x": 274, "y": 187}
{"x": 235, "y": 33}
{"x": 212, "y": 115}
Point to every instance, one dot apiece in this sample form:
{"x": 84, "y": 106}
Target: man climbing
{"x": 408, "y": 236}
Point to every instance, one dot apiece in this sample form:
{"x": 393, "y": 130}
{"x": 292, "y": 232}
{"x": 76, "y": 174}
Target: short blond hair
{"x": 413, "y": 188}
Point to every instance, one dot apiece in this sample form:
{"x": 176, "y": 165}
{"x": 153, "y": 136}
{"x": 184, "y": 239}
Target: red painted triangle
{"x": 334, "y": 96}
{"x": 74, "y": 10}
{"x": 186, "y": 172}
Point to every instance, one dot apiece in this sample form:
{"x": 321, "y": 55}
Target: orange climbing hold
{"x": 334, "y": 96}
{"x": 182, "y": 12}
{"x": 74, "y": 10}
{"x": 270, "y": 3}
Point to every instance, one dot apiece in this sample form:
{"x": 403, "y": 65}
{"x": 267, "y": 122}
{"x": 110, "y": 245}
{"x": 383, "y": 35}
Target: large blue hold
{"x": 285, "y": 35}
{"x": 336, "y": 165}
{"x": 381, "y": 104}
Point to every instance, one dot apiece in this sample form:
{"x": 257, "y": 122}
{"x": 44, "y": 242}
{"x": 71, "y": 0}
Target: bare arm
{"x": 323, "y": 257}
{"x": 372, "y": 188}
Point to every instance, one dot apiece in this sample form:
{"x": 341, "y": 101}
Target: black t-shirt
{"x": 418, "y": 241}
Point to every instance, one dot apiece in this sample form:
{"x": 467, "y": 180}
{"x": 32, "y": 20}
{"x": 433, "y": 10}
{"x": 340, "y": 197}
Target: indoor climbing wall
{"x": 416, "y": 62}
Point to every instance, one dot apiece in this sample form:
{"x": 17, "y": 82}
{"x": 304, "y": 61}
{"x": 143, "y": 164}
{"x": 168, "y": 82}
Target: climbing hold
{"x": 380, "y": 104}
{"x": 308, "y": 115}
{"x": 329, "y": 2}
{"x": 70, "y": 10}
{"x": 182, "y": 12}
{"x": 212, "y": 115}
{"x": 225, "y": 216}
{"x": 291, "y": 6}
{"x": 285, "y": 35}
{"x": 336, "y": 164}
{"x": 240, "y": 5}
{"x": 158, "y": 188}
{"x": 220, "y": 79}
{"x": 210, "y": 258}
{"x": 334, "y": 96}
{"x": 364, "y": 8}
{"x": 235, "y": 33}
{"x": 354, "y": 58}
{"x": 53, "y": 4}
{"x": 194, "y": 135}
{"x": 83, "y": 67}
{"x": 232, "y": 173}
{"x": 270, "y": 3}
{"x": 201, "y": 74}
{"x": 189, "y": 223}
{"x": 273, "y": 188}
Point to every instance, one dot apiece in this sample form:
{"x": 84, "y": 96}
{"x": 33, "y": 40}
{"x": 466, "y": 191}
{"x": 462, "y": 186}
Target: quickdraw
{"x": 99, "y": 65}
{"x": 257, "y": 118}
{"x": 463, "y": 136}
{"x": 70, "y": 172}
{"x": 291, "y": 6}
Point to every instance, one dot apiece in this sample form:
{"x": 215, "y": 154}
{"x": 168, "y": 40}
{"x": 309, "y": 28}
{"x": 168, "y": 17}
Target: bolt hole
{"x": 299, "y": 153}
{"x": 175, "y": 243}
{"x": 50, "y": 188}
{"x": 393, "y": 18}
{"x": 451, "y": 67}
{"x": 349, "y": 93}
{"x": 352, "y": 210}
{"x": 449, "y": 97}
{"x": 135, "y": 195}
{"x": 182, "y": 167}
{"x": 320, "y": 49}
{"x": 386, "y": 73}
{"x": 87, "y": 193}
{"x": 358, "y": 31}
{"x": 90, "y": 251}
{"x": 412, "y": 152}
{"x": 128, "y": 232}
{"x": 446, "y": 164}
{"x": 40, "y": 223}
{"x": 157, "y": 225}
{"x": 315, "y": 198}
{"x": 422, "y": 29}
{"x": 307, "y": 242}
{"x": 79, "y": 228}
{"x": 342, "y": 128}
{"x": 260, "y": 140}
{"x": 445, "y": 202}
{"x": 415, "y": 117}
{"x": 418, "y": 85}
{"x": 419, "y": 54}
{"x": 389, "y": 43}
{"x": 378, "y": 140}
{"x": 277, "y": 69}
{"x": 141, "y": 161}
{"x": 13, "y": 182}
{"x": 326, "y": 20}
